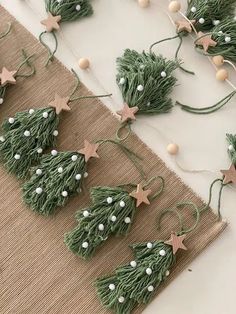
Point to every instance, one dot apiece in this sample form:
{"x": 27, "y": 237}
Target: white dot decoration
{"x": 167, "y": 273}
{"x": 31, "y": 111}
{"x": 121, "y": 299}
{"x": 39, "y": 190}
{"x": 133, "y": 264}
{"x": 201, "y": 20}
{"x": 149, "y": 245}
{"x": 45, "y": 115}
{"x": 1, "y": 101}
{"x": 74, "y": 158}
{"x": 220, "y": 33}
{"x": 55, "y": 133}
{"x": 2, "y": 139}
{"x": 39, "y": 172}
{"x": 122, "y": 81}
{"x": 148, "y": 271}
{"x": 39, "y": 150}
{"x": 85, "y": 245}
{"x": 17, "y": 156}
{"x": 109, "y": 200}
{"x": 113, "y": 218}
{"x": 11, "y": 120}
{"x": 193, "y": 9}
{"x": 100, "y": 227}
{"x": 127, "y": 220}
{"x": 122, "y": 204}
{"x": 162, "y": 253}
{"x": 64, "y": 193}
{"x": 54, "y": 152}
{"x": 85, "y": 213}
{"x": 150, "y": 288}
{"x": 78, "y": 7}
{"x": 227, "y": 39}
{"x": 85, "y": 174}
{"x": 140, "y": 88}
{"x": 78, "y": 177}
{"x": 163, "y": 74}
{"x": 112, "y": 286}
{"x": 27, "y": 133}
{"x": 142, "y": 66}
{"x": 231, "y": 148}
{"x": 60, "y": 170}
{"x": 216, "y": 22}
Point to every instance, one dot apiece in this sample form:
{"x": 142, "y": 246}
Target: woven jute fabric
{"x": 37, "y": 272}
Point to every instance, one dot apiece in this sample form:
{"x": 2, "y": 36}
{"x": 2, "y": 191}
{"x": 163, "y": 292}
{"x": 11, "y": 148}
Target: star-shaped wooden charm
{"x": 141, "y": 195}
{"x": 205, "y": 41}
{"x": 127, "y": 113}
{"x": 89, "y": 150}
{"x": 7, "y": 77}
{"x": 176, "y": 242}
{"x": 51, "y": 22}
{"x": 184, "y": 25}
{"x": 229, "y": 175}
{"x": 60, "y": 104}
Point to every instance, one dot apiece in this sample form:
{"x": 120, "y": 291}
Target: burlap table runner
{"x": 37, "y": 272}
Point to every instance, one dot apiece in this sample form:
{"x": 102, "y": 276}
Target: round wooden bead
{"x": 222, "y": 75}
{"x": 84, "y": 63}
{"x": 218, "y": 60}
{"x": 172, "y": 149}
{"x": 143, "y": 3}
{"x": 174, "y": 6}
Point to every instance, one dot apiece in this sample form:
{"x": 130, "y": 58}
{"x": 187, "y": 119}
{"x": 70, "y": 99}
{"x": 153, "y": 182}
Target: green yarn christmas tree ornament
{"x": 112, "y": 213}
{"x": 146, "y": 81}
{"x": 59, "y": 12}
{"x": 209, "y": 13}
{"x": 29, "y": 133}
{"x": 231, "y": 139}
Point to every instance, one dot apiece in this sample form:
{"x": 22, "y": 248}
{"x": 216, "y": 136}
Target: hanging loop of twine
{"x": 26, "y": 61}
{"x": 160, "y": 190}
{"x": 6, "y": 32}
{"x": 51, "y": 53}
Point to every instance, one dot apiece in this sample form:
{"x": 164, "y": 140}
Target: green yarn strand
{"x": 51, "y": 52}
{"x": 6, "y": 32}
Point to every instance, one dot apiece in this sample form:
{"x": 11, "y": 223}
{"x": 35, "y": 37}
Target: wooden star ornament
{"x": 184, "y": 25}
{"x": 229, "y": 175}
{"x": 127, "y": 113}
{"x": 141, "y": 195}
{"x": 60, "y": 104}
{"x": 7, "y": 77}
{"x": 51, "y": 22}
{"x": 205, "y": 41}
{"x": 176, "y": 242}
{"x": 89, "y": 150}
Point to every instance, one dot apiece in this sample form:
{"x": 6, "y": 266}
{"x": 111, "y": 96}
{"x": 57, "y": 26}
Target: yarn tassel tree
{"x": 59, "y": 12}
{"x": 112, "y": 213}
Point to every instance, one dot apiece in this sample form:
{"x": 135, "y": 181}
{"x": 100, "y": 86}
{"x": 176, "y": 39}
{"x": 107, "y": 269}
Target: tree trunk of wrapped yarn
{"x": 58, "y": 177}
{"x": 209, "y": 13}
{"x": 112, "y": 213}
{"x": 137, "y": 281}
{"x": 146, "y": 81}
{"x": 25, "y": 136}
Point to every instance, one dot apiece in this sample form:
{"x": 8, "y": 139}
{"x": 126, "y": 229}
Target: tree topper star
{"x": 60, "y": 104}
{"x": 7, "y": 77}
{"x": 229, "y": 175}
{"x": 141, "y": 195}
{"x": 205, "y": 41}
{"x": 184, "y": 25}
{"x": 127, "y": 113}
{"x": 89, "y": 150}
{"x": 51, "y": 22}
{"x": 176, "y": 242}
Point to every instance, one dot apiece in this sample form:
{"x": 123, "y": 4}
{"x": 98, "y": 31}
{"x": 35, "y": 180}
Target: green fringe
{"x": 132, "y": 282}
{"x": 100, "y": 213}
{"x": 210, "y": 10}
{"x": 14, "y": 142}
{"x": 227, "y": 50}
{"x": 231, "y": 139}
{"x": 67, "y": 9}
{"x": 54, "y": 183}
{"x": 145, "y": 69}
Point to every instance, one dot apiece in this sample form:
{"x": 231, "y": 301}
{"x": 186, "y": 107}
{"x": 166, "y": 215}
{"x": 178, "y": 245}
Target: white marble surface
{"x": 118, "y": 24}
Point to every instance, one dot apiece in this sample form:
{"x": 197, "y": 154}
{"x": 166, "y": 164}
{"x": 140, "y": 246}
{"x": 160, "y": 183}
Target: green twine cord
{"x": 26, "y": 61}
{"x": 207, "y": 110}
{"x": 51, "y": 53}
{"x": 7, "y": 31}
{"x": 149, "y": 182}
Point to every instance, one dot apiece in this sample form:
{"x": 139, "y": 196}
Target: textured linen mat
{"x": 37, "y": 272}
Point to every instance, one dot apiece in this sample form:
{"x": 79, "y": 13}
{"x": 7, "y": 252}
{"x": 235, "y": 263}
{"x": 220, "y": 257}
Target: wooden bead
{"x": 84, "y": 63}
{"x": 218, "y": 60}
{"x": 174, "y": 6}
{"x": 173, "y": 149}
{"x": 143, "y": 3}
{"x": 222, "y": 75}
